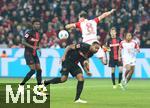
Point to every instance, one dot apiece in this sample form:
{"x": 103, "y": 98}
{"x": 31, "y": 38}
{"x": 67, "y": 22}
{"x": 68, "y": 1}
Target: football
{"x": 63, "y": 34}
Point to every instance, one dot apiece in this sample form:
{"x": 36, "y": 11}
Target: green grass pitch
{"x": 99, "y": 94}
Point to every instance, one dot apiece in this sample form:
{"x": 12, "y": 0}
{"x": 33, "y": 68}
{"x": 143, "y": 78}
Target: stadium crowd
{"x": 16, "y": 16}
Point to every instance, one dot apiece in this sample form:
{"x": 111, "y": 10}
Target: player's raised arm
{"x": 106, "y": 14}
{"x": 70, "y": 26}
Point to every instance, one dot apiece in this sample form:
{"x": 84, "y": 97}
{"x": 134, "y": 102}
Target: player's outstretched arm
{"x": 70, "y": 26}
{"x": 106, "y": 14}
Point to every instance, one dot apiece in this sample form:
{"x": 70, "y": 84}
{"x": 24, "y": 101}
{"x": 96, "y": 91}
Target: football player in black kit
{"x": 74, "y": 54}
{"x": 31, "y": 41}
{"x": 113, "y": 44}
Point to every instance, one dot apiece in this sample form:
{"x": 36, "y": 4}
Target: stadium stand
{"x": 16, "y": 17}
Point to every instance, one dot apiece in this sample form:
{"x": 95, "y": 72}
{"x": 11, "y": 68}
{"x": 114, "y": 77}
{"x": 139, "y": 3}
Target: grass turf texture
{"x": 99, "y": 94}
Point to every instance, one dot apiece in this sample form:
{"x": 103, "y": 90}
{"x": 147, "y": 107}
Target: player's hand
{"x": 88, "y": 73}
{"x": 105, "y": 48}
{"x": 113, "y": 10}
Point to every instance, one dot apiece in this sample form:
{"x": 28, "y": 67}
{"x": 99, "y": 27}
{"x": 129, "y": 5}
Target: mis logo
{"x": 11, "y": 96}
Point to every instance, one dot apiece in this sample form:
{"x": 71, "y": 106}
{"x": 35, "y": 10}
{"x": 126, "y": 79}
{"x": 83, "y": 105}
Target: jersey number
{"x": 90, "y": 28}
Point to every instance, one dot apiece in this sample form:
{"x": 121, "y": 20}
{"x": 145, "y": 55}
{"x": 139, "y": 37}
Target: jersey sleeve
{"x": 78, "y": 25}
{"x": 96, "y": 20}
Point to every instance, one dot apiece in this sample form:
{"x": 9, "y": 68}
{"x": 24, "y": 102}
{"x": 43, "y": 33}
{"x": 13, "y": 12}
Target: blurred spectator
{"x": 102, "y": 37}
{"x": 121, "y": 33}
{"x": 16, "y": 16}
{"x": 3, "y": 55}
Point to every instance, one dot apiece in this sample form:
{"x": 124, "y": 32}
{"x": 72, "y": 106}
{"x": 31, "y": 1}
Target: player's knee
{"x": 131, "y": 72}
{"x": 63, "y": 79}
{"x": 112, "y": 70}
{"x": 128, "y": 69}
{"x": 80, "y": 78}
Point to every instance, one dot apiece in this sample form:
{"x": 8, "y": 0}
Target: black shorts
{"x": 113, "y": 63}
{"x": 70, "y": 67}
{"x": 31, "y": 59}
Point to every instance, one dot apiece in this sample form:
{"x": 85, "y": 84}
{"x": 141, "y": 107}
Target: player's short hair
{"x": 95, "y": 43}
{"x": 35, "y": 20}
{"x": 127, "y": 33}
{"x": 83, "y": 14}
{"x": 113, "y": 28}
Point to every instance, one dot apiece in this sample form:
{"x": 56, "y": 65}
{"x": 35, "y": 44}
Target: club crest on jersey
{"x": 26, "y": 35}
